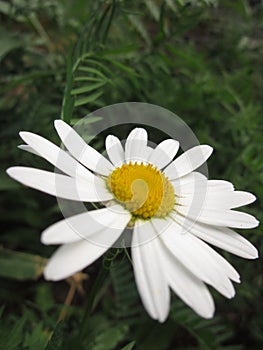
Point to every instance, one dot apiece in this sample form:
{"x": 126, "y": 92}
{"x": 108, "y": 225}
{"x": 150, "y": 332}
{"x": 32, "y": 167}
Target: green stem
{"x": 96, "y": 287}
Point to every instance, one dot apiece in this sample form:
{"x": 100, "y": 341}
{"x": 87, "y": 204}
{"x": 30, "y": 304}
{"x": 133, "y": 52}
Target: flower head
{"x": 171, "y": 210}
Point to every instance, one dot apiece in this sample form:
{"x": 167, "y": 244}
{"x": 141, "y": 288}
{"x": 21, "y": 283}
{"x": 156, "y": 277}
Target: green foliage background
{"x": 201, "y": 60}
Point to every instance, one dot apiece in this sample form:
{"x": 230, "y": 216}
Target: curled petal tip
{"x": 209, "y": 148}
{"x": 255, "y": 255}
{"x": 21, "y": 133}
{"x": 209, "y": 315}
{"x": 10, "y": 171}
{"x": 58, "y": 121}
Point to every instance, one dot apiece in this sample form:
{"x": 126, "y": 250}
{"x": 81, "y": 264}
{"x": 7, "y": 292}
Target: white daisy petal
{"x": 220, "y": 217}
{"x": 55, "y": 155}
{"x": 228, "y": 200}
{"x": 208, "y": 198}
{"x": 188, "y": 161}
{"x": 220, "y": 185}
{"x": 115, "y": 150}
{"x": 196, "y": 183}
{"x": 87, "y": 226}
{"x": 148, "y": 270}
{"x": 164, "y": 153}
{"x": 198, "y": 258}
{"x": 221, "y": 237}
{"x": 61, "y": 185}
{"x": 190, "y": 184}
{"x": 187, "y": 286}
{"x": 135, "y": 146}
{"x": 221, "y": 262}
{"x": 148, "y": 152}
{"x": 28, "y": 149}
{"x": 73, "y": 257}
{"x": 84, "y": 153}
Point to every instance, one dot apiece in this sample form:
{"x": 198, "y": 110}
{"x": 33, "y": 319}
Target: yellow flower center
{"x": 142, "y": 189}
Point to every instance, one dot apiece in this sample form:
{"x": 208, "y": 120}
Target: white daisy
{"x": 169, "y": 207}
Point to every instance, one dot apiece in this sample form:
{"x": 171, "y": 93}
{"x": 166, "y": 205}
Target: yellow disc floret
{"x": 142, "y": 189}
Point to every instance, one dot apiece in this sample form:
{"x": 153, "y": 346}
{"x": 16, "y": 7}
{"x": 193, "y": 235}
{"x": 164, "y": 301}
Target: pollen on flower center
{"x": 143, "y": 189}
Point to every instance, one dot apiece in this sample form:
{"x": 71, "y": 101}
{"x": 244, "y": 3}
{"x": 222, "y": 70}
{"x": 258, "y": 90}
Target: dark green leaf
{"x": 88, "y": 99}
{"x": 21, "y": 266}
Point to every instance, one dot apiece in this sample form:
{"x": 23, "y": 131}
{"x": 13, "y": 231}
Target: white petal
{"x": 148, "y": 152}
{"x": 164, "y": 153}
{"x": 115, "y": 150}
{"x": 149, "y": 272}
{"x": 210, "y": 199}
{"x": 61, "y": 185}
{"x": 73, "y": 257}
{"x": 135, "y": 146}
{"x": 220, "y": 185}
{"x": 88, "y": 226}
{"x": 28, "y": 149}
{"x": 187, "y": 286}
{"x": 220, "y": 217}
{"x": 84, "y": 153}
{"x": 221, "y": 237}
{"x": 218, "y": 259}
{"x": 228, "y": 200}
{"x": 188, "y": 161}
{"x": 190, "y": 184}
{"x": 55, "y": 155}
{"x": 198, "y": 258}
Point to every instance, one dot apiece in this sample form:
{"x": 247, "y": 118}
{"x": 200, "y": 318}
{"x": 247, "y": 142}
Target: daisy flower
{"x": 171, "y": 212}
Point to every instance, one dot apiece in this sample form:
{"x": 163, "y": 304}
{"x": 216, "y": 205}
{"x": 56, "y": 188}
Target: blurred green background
{"x": 201, "y": 59}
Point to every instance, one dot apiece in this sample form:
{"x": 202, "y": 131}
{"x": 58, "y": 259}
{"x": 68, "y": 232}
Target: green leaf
{"x": 85, "y": 121}
{"x": 92, "y": 71}
{"x": 96, "y": 61}
{"x": 140, "y": 27}
{"x": 11, "y": 337}
{"x": 88, "y": 99}
{"x": 87, "y": 88}
{"x": 21, "y": 266}
{"x": 56, "y": 341}
{"x": 44, "y": 298}
{"x": 123, "y": 67}
{"x": 101, "y": 334}
{"x": 124, "y": 51}
{"x": 9, "y": 41}
{"x": 208, "y": 333}
{"x": 83, "y": 78}
{"x": 110, "y": 338}
{"x": 129, "y": 346}
{"x": 37, "y": 338}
